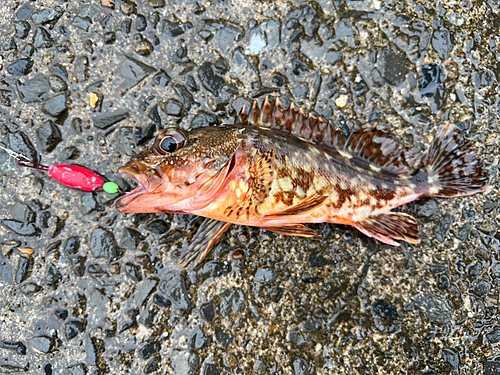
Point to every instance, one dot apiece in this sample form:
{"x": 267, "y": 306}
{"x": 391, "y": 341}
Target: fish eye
{"x": 170, "y": 140}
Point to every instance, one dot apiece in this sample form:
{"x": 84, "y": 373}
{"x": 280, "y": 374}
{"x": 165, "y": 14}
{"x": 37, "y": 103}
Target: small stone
{"x": 141, "y": 23}
{"x": 42, "y": 38}
{"x": 57, "y": 84}
{"x": 198, "y": 339}
{"x": 311, "y": 324}
{"x": 131, "y": 72}
{"x": 152, "y": 365}
{"x": 34, "y": 90}
{"x": 28, "y": 50}
{"x": 211, "y": 80}
{"x": 26, "y": 250}
{"x": 11, "y": 45}
{"x": 56, "y": 106}
{"x": 207, "y": 311}
{"x": 130, "y": 239}
{"x": 95, "y": 98}
{"x": 156, "y": 3}
{"x": 185, "y": 95}
{"x": 385, "y": 310}
{"x": 434, "y": 308}
{"x": 185, "y": 362}
{"x": 222, "y": 338}
{"x": 174, "y": 29}
{"x": 161, "y": 300}
{"x": 21, "y": 228}
{"x": 259, "y": 367}
{"x": 108, "y": 3}
{"x": 300, "y": 366}
{"x": 154, "y": 18}
{"x": 21, "y": 144}
{"x": 73, "y": 328}
{"x": 234, "y": 302}
{"x": 109, "y": 37}
{"x": 30, "y": 288}
{"x": 17, "y": 346}
{"x": 52, "y": 274}
{"x": 157, "y": 226}
{"x": 49, "y": 15}
{"x": 174, "y": 287}
{"x": 42, "y": 344}
{"x": 481, "y": 287}
{"x": 128, "y": 7}
{"x": 126, "y": 25}
{"x": 442, "y": 43}
{"x": 89, "y": 203}
{"x": 61, "y": 314}
{"x": 143, "y": 47}
{"x": 238, "y": 255}
{"x": 103, "y": 245}
{"x": 106, "y": 119}
{"x": 82, "y": 22}
{"x": 394, "y": 66}
{"x": 22, "y": 29}
{"x": 264, "y": 275}
{"x": 148, "y": 350}
{"x": 133, "y": 271}
{"x": 172, "y": 107}
{"x": 49, "y": 135}
{"x": 264, "y": 37}
{"x": 341, "y": 101}
{"x": 20, "y": 67}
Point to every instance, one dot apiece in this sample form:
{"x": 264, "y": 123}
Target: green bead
{"x": 110, "y": 187}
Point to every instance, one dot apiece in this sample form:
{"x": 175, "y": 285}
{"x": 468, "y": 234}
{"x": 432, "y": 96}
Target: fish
{"x": 279, "y": 169}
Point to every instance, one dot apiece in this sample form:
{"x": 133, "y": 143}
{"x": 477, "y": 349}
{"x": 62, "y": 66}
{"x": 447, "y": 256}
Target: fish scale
{"x": 279, "y": 169}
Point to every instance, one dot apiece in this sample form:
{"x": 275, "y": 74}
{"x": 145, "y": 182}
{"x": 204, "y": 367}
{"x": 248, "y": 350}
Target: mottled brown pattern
{"x": 278, "y": 169}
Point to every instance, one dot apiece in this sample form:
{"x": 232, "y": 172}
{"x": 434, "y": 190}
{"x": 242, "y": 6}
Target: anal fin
{"x": 309, "y": 204}
{"x": 205, "y": 239}
{"x": 389, "y": 227}
{"x": 294, "y": 230}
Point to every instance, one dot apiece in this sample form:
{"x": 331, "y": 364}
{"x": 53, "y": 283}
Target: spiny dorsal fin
{"x": 369, "y": 144}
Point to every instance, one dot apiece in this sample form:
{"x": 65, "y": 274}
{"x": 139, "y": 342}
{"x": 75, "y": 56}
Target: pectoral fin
{"x": 309, "y": 204}
{"x": 390, "y": 226}
{"x": 294, "y": 230}
{"x": 205, "y": 239}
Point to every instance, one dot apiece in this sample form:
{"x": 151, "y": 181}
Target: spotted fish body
{"x": 279, "y": 169}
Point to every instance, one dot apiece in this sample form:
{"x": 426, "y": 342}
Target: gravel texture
{"x": 87, "y": 290}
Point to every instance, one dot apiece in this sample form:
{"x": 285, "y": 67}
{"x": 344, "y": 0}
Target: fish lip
{"x": 133, "y": 173}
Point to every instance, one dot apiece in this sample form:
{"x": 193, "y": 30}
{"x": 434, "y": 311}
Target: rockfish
{"x": 277, "y": 169}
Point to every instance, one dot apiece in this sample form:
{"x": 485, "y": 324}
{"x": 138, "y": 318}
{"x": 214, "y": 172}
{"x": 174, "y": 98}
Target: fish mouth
{"x": 144, "y": 178}
{"x": 130, "y": 173}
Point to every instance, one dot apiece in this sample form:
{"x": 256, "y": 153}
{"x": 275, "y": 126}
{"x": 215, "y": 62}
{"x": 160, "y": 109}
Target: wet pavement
{"x": 87, "y": 290}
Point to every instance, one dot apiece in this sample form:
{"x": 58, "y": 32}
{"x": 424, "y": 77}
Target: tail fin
{"x": 453, "y": 167}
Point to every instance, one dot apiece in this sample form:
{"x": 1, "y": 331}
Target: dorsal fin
{"x": 377, "y": 147}
{"x": 369, "y": 144}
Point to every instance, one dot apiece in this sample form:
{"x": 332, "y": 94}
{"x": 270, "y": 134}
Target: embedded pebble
{"x": 42, "y": 38}
{"x": 174, "y": 287}
{"x": 103, "y": 245}
{"x": 34, "y": 90}
{"x": 341, "y": 101}
{"x": 56, "y": 106}
{"x": 42, "y": 344}
{"x": 20, "y": 67}
{"x": 49, "y": 135}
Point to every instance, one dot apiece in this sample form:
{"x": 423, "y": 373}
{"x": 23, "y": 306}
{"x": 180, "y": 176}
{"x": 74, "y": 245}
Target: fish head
{"x": 182, "y": 172}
